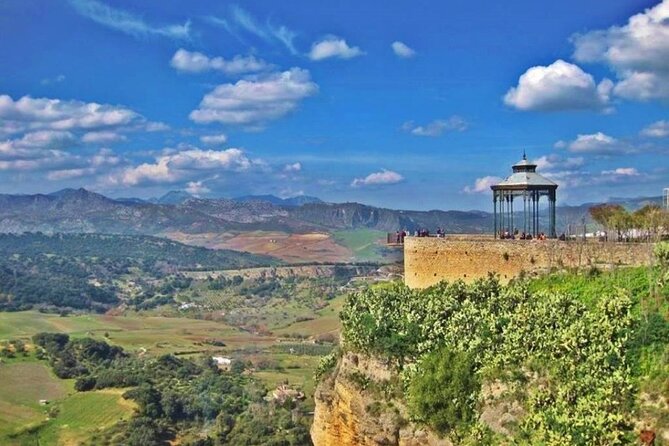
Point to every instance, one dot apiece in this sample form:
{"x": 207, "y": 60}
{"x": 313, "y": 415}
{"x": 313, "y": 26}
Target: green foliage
{"x": 661, "y": 252}
{"x": 443, "y": 393}
{"x": 327, "y": 363}
{"x": 572, "y": 354}
{"x": 81, "y": 271}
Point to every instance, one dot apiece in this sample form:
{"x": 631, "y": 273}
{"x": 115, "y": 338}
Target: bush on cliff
{"x": 444, "y": 392}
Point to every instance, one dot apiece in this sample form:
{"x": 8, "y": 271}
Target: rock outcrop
{"x": 350, "y": 412}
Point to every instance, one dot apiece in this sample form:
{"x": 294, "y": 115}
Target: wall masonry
{"x": 428, "y": 260}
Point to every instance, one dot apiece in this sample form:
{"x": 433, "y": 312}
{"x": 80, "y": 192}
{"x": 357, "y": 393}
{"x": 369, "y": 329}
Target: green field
{"x": 366, "y": 244}
{"x": 22, "y": 386}
{"x": 153, "y": 334}
{"x": 82, "y": 414}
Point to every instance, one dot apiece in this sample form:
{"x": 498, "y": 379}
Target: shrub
{"x": 444, "y": 392}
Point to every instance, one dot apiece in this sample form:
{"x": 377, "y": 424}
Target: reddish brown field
{"x": 312, "y": 247}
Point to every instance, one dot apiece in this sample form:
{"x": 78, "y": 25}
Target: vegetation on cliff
{"x": 581, "y": 353}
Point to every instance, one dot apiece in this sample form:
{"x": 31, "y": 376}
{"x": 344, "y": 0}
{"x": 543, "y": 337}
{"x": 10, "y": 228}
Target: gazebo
{"x": 526, "y": 184}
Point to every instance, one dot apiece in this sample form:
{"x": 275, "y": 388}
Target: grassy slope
{"x": 84, "y": 413}
{"x": 363, "y": 243}
{"x": 22, "y": 385}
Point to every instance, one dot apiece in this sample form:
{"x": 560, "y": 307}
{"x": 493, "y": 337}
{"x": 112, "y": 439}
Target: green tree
{"x": 443, "y": 393}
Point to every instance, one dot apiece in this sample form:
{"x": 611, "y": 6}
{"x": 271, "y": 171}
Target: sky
{"x": 401, "y": 104}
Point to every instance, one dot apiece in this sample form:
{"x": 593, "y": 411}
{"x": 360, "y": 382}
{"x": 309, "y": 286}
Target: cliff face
{"x": 349, "y": 412}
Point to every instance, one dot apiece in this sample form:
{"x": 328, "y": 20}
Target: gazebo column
{"x": 551, "y": 199}
{"x": 511, "y": 229}
{"x": 494, "y": 207}
{"x": 534, "y": 214}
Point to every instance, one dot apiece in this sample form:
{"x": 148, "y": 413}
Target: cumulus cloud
{"x": 437, "y": 127}
{"x": 255, "y": 101}
{"x": 378, "y": 178}
{"x": 195, "y": 62}
{"x": 598, "y": 144}
{"x": 126, "y": 22}
{"x": 214, "y": 140}
{"x": 482, "y": 185}
{"x": 182, "y": 165}
{"x": 85, "y": 167}
{"x": 35, "y": 150}
{"x": 197, "y": 188}
{"x": 292, "y": 168}
{"x": 557, "y": 87}
{"x": 29, "y": 113}
{"x": 551, "y": 162}
{"x": 402, "y": 50}
{"x": 659, "y": 129}
{"x": 103, "y": 137}
{"x": 623, "y": 172}
{"x": 638, "y": 52}
{"x": 333, "y": 46}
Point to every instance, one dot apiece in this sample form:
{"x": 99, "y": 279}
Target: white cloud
{"x": 599, "y": 144}
{"x": 255, "y": 101}
{"x": 559, "y": 86}
{"x": 638, "y": 52}
{"x": 214, "y": 140}
{"x": 197, "y": 188}
{"x": 29, "y": 113}
{"x": 53, "y": 80}
{"x": 333, "y": 46}
{"x": 622, "y": 172}
{"x": 40, "y": 145}
{"x": 402, "y": 50}
{"x": 437, "y": 127}
{"x": 101, "y": 161}
{"x": 482, "y": 185}
{"x": 551, "y": 162}
{"x": 103, "y": 137}
{"x": 182, "y": 165}
{"x": 194, "y": 62}
{"x": 378, "y": 178}
{"x": 659, "y": 129}
{"x": 126, "y": 22}
{"x": 268, "y": 32}
{"x": 292, "y": 168}
{"x": 156, "y": 127}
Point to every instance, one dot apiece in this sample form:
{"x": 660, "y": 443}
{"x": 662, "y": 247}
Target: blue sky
{"x": 416, "y": 105}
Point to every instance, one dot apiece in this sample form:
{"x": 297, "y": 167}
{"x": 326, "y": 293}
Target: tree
{"x": 611, "y": 216}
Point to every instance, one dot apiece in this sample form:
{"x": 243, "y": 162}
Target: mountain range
{"x": 80, "y": 210}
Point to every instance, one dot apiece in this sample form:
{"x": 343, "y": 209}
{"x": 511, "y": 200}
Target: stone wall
{"x": 428, "y": 260}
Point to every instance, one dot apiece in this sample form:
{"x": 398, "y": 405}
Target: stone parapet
{"x": 429, "y": 260}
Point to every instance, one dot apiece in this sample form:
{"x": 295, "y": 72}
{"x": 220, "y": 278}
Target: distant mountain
{"x": 79, "y": 210}
{"x": 173, "y": 197}
{"x": 293, "y": 201}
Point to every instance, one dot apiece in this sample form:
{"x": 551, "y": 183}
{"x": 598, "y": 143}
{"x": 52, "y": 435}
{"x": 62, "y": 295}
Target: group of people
{"x": 516, "y": 235}
{"x": 399, "y": 235}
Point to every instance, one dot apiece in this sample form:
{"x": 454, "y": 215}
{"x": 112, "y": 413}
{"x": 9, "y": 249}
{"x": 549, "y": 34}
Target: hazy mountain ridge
{"x": 79, "y": 210}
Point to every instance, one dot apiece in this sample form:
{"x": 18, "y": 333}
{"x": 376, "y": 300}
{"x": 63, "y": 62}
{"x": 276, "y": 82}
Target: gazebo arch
{"x": 526, "y": 184}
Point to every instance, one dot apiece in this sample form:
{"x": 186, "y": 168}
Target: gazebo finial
{"x": 524, "y": 155}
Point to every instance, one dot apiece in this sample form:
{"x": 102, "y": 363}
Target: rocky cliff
{"x": 354, "y": 407}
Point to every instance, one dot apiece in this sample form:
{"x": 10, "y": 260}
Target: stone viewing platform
{"x": 429, "y": 260}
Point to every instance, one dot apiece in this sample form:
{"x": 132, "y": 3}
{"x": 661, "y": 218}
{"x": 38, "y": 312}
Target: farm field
{"x": 356, "y": 245}
{"x": 22, "y": 385}
{"x": 285, "y": 356}
{"x": 153, "y": 334}
{"x": 367, "y": 245}
{"x": 293, "y": 248}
